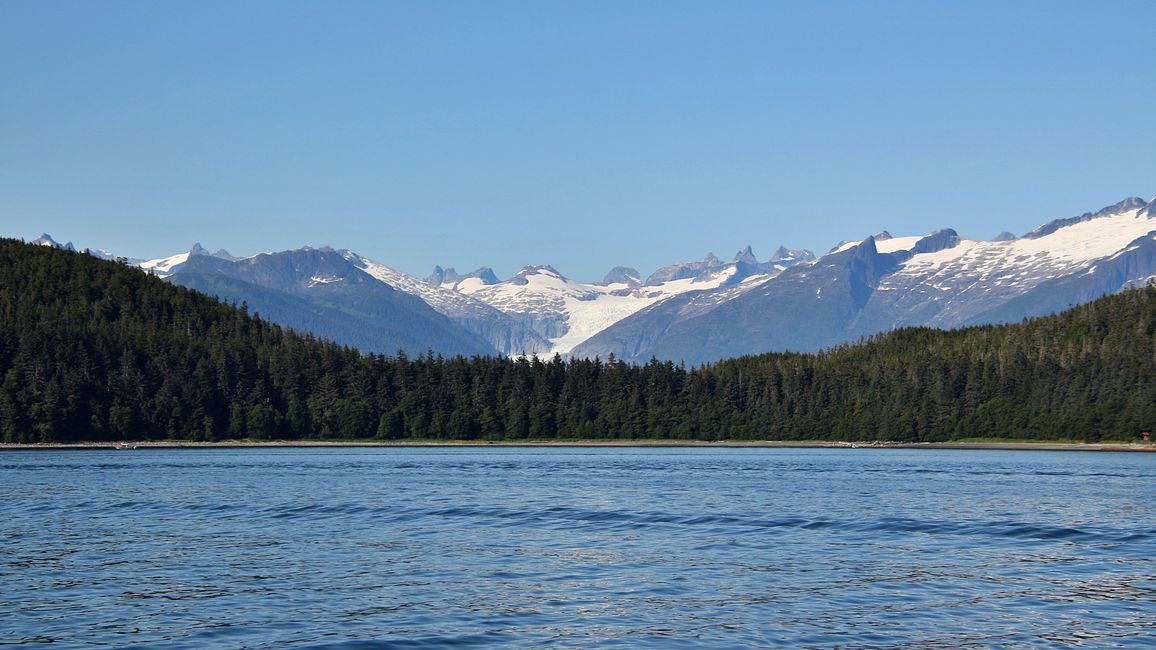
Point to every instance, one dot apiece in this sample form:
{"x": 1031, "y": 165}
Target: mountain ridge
{"x": 98, "y": 351}
{"x": 793, "y": 301}
{"x": 862, "y": 288}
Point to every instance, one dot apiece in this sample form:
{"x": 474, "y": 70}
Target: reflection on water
{"x": 658, "y": 548}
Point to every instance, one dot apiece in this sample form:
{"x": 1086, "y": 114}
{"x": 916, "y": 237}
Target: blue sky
{"x": 583, "y": 135}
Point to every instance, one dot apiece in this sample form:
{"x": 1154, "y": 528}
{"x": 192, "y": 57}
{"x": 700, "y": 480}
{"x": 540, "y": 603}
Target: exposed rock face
{"x": 449, "y": 276}
{"x": 746, "y": 256}
{"x": 684, "y": 270}
{"x": 623, "y": 275}
{"x": 320, "y": 291}
{"x": 940, "y": 280}
{"x": 1127, "y": 205}
{"x": 46, "y": 239}
{"x": 692, "y": 311}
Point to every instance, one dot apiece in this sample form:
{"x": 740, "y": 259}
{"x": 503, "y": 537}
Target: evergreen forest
{"x": 92, "y": 350}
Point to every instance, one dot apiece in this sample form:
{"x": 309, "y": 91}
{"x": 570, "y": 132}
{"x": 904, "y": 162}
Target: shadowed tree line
{"x": 93, "y": 350}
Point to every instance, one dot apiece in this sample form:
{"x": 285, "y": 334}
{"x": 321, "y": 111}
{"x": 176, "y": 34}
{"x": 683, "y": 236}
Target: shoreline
{"x": 753, "y": 444}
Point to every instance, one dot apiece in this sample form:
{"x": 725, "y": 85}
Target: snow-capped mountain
{"x": 623, "y": 275}
{"x": 325, "y": 292}
{"x": 538, "y": 311}
{"x": 961, "y": 283}
{"x": 46, "y": 239}
{"x": 449, "y": 278}
{"x": 881, "y": 283}
{"x": 691, "y": 311}
{"x": 744, "y": 260}
{"x": 507, "y": 334}
{"x": 566, "y": 312}
{"x": 165, "y": 266}
{"x": 314, "y": 276}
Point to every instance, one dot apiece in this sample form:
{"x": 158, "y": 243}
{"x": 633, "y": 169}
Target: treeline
{"x": 93, "y": 350}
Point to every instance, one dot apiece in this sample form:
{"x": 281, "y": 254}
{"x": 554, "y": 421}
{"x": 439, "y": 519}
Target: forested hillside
{"x": 93, "y": 350}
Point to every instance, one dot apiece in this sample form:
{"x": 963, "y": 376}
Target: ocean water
{"x": 577, "y": 547}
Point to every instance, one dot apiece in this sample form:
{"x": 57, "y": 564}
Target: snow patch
{"x": 164, "y": 266}
{"x": 320, "y": 279}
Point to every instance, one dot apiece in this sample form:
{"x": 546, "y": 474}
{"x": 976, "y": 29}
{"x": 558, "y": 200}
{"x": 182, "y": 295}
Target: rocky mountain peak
{"x": 46, "y": 239}
{"x": 539, "y": 269}
{"x": 683, "y": 270}
{"x": 936, "y": 241}
{"x": 783, "y": 254}
{"x": 521, "y": 278}
{"x": 437, "y": 277}
{"x": 485, "y": 274}
{"x": 441, "y": 276}
{"x": 1127, "y": 205}
{"x": 747, "y": 256}
{"x": 623, "y": 275}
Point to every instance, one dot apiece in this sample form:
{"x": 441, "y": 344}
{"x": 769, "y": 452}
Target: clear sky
{"x": 579, "y": 134}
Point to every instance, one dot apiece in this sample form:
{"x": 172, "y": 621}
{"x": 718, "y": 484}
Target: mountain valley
{"x": 689, "y": 312}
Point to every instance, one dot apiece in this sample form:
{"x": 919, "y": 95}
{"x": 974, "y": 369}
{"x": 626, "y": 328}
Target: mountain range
{"x": 688, "y": 311}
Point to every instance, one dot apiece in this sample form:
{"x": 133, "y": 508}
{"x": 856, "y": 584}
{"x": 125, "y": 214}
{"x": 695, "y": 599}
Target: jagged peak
{"x": 746, "y": 255}
{"x": 521, "y": 278}
{"x": 46, "y": 239}
{"x": 441, "y": 276}
{"x": 437, "y": 277}
{"x": 865, "y": 248}
{"x": 683, "y": 270}
{"x": 784, "y": 253}
{"x": 539, "y": 269}
{"x": 309, "y": 249}
{"x": 1005, "y": 236}
{"x": 882, "y": 235}
{"x": 485, "y": 274}
{"x": 225, "y": 255}
{"x": 197, "y": 249}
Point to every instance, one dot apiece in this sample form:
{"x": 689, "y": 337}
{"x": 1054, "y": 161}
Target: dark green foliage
{"x": 93, "y": 350}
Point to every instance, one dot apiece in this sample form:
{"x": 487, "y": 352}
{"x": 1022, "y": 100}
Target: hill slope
{"x": 95, "y": 350}
{"x": 321, "y": 292}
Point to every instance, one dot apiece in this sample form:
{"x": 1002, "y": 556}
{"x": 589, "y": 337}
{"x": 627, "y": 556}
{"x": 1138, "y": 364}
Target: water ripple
{"x": 576, "y": 548}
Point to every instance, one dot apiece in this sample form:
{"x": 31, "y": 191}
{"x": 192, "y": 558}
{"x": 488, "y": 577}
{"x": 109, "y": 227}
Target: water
{"x": 577, "y": 547}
